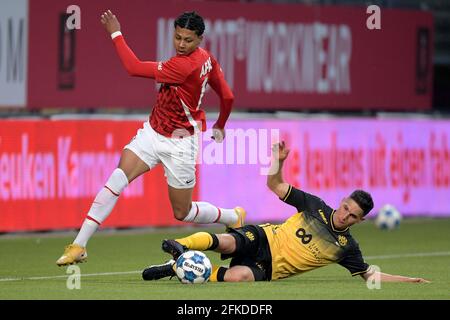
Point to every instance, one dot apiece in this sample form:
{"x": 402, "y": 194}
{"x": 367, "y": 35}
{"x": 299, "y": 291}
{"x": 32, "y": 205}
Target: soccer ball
{"x": 388, "y": 217}
{"x": 193, "y": 267}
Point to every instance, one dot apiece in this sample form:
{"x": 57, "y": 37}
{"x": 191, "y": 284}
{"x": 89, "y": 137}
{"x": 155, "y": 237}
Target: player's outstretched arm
{"x": 275, "y": 180}
{"x": 132, "y": 64}
{"x": 386, "y": 277}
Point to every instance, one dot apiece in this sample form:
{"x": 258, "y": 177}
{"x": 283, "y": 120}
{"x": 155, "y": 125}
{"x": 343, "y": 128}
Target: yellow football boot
{"x": 73, "y": 253}
{"x": 240, "y": 212}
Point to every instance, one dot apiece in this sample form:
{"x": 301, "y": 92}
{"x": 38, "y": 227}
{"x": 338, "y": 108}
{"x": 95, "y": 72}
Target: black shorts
{"x": 252, "y": 250}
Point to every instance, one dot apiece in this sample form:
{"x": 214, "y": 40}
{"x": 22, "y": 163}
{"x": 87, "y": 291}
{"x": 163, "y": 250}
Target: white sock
{"x": 204, "y": 212}
{"x": 102, "y": 206}
{"x": 87, "y": 230}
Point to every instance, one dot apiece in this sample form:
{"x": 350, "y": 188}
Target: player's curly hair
{"x": 192, "y": 21}
{"x": 363, "y": 199}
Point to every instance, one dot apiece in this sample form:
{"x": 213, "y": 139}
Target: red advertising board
{"x": 274, "y": 56}
{"x": 50, "y": 172}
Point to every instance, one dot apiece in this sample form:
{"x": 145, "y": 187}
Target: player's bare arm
{"x": 110, "y": 22}
{"x": 386, "y": 277}
{"x": 275, "y": 180}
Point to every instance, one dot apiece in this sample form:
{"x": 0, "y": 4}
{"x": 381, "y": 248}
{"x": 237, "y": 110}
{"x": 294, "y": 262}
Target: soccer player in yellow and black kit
{"x": 315, "y": 236}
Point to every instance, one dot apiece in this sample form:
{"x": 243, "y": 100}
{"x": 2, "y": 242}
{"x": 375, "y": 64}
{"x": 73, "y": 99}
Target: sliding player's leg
{"x": 201, "y": 241}
{"x": 243, "y": 266}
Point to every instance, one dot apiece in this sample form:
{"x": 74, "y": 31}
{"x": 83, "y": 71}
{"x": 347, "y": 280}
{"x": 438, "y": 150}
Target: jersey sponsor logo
{"x": 274, "y": 228}
{"x": 250, "y": 235}
{"x": 159, "y": 66}
{"x": 342, "y": 240}
{"x": 206, "y": 68}
{"x": 322, "y": 215}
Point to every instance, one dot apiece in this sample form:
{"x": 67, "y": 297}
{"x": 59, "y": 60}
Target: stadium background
{"x": 359, "y": 108}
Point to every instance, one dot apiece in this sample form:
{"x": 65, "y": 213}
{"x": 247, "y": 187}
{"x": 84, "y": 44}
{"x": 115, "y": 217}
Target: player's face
{"x": 185, "y": 41}
{"x": 347, "y": 214}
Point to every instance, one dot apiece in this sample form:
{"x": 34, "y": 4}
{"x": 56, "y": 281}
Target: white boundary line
{"x": 67, "y": 275}
{"x": 392, "y": 256}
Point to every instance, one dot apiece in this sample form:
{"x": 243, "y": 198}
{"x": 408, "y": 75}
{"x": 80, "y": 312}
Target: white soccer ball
{"x": 193, "y": 267}
{"x": 388, "y": 217}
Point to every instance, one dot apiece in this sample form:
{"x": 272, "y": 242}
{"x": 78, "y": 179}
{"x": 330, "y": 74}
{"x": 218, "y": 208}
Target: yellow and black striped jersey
{"x": 308, "y": 239}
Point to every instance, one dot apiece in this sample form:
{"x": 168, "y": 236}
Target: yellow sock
{"x": 213, "y": 276}
{"x": 198, "y": 241}
{"x": 218, "y": 274}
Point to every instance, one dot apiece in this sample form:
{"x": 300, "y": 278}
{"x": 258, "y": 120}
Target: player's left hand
{"x": 279, "y": 151}
{"x": 218, "y": 134}
{"x": 420, "y": 280}
{"x": 110, "y": 22}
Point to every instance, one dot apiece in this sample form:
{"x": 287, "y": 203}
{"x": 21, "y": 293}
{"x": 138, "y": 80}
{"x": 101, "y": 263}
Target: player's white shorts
{"x": 177, "y": 155}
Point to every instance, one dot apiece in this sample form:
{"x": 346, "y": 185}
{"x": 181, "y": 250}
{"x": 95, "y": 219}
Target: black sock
{"x": 221, "y": 274}
{"x": 215, "y": 242}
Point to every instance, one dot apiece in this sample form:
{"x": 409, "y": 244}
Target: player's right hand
{"x": 110, "y": 22}
{"x": 279, "y": 151}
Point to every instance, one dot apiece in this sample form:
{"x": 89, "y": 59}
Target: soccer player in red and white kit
{"x": 171, "y": 135}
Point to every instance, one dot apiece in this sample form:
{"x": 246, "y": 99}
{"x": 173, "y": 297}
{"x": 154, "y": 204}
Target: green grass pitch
{"x": 420, "y": 248}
